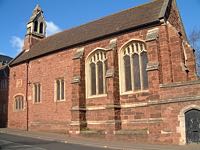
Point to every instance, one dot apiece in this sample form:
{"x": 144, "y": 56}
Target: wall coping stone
{"x": 178, "y": 84}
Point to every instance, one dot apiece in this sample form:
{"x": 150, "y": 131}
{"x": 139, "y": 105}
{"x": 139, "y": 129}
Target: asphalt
{"x": 14, "y": 142}
{"x": 95, "y": 143}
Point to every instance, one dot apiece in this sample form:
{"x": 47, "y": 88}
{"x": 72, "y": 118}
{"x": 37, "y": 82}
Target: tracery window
{"x": 133, "y": 67}
{"x": 95, "y": 73}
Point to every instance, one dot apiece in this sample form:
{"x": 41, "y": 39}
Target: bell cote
{"x": 37, "y": 24}
{"x": 36, "y": 29}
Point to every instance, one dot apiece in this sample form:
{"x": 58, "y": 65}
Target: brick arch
{"x": 181, "y": 119}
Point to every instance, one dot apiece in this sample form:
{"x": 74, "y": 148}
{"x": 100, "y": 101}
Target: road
{"x": 13, "y": 142}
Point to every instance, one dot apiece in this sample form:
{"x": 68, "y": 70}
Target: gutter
{"x": 26, "y": 96}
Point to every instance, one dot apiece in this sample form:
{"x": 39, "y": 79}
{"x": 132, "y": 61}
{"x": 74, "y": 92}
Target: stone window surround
{"x": 181, "y": 118}
{"x": 55, "y": 90}
{"x": 87, "y": 74}
{"x": 121, "y": 70}
{"x": 14, "y": 102}
{"x": 34, "y": 99}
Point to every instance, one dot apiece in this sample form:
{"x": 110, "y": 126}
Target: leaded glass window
{"x": 36, "y": 92}
{"x": 95, "y": 73}
{"x": 19, "y": 103}
{"x": 134, "y": 64}
{"x": 60, "y": 89}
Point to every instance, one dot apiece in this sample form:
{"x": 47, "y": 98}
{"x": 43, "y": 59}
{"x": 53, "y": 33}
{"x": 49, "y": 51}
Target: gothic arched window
{"x": 41, "y": 27}
{"x": 133, "y": 64}
{"x": 35, "y": 26}
{"x": 95, "y": 73}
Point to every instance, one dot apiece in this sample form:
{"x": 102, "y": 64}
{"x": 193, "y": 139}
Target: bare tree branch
{"x": 194, "y": 39}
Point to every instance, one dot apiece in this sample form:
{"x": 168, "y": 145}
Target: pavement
{"x": 92, "y": 142}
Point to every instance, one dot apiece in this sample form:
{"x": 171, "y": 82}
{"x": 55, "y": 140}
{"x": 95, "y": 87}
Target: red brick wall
{"x": 17, "y": 86}
{"x": 47, "y": 115}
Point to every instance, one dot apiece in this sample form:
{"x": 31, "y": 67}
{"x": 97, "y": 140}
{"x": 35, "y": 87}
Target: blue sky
{"x": 65, "y": 14}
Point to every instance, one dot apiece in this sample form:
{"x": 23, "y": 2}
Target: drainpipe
{"x": 27, "y": 105}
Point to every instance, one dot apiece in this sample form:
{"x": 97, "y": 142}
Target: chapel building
{"x": 130, "y": 75}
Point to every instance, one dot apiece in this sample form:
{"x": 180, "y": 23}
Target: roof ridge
{"x": 98, "y": 19}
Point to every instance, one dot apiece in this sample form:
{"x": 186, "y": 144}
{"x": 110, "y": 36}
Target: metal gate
{"x": 192, "y": 122}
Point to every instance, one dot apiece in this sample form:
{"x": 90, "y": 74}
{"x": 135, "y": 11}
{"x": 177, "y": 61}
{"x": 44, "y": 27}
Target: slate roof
{"x": 4, "y": 58}
{"x": 3, "y": 71}
{"x": 4, "y": 68}
{"x": 136, "y": 17}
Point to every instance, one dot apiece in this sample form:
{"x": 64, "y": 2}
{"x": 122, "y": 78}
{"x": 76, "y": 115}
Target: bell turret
{"x": 36, "y": 28}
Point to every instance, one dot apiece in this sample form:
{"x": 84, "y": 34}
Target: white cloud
{"x": 52, "y": 28}
{"x": 17, "y": 43}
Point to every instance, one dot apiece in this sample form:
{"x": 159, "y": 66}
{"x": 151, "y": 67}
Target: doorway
{"x": 192, "y": 125}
